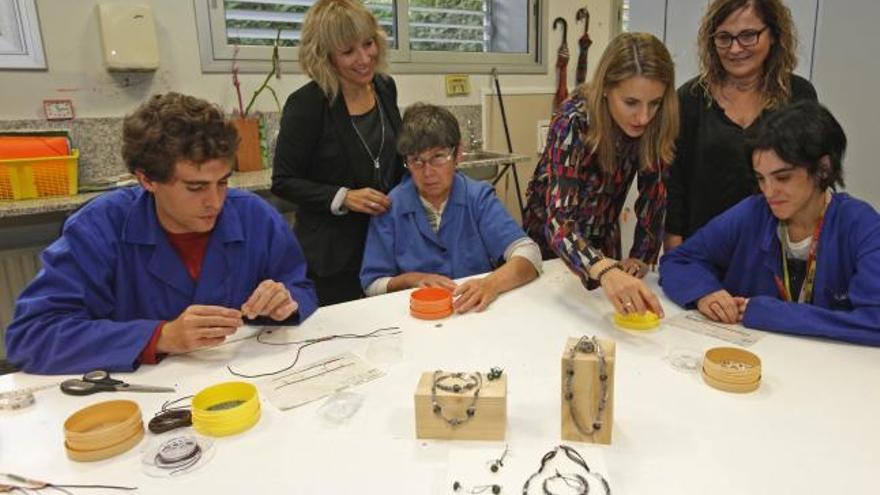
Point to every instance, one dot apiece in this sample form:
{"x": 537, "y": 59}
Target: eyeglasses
{"x": 749, "y": 37}
{"x": 436, "y": 161}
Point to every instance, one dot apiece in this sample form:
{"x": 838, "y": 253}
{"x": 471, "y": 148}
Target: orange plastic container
{"x": 430, "y": 303}
{"x": 27, "y": 178}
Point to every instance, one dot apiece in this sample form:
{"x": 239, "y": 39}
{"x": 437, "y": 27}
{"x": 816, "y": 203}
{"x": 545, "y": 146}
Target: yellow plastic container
{"x": 27, "y": 178}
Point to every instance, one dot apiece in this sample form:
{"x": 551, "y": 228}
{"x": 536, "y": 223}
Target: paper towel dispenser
{"x": 128, "y": 36}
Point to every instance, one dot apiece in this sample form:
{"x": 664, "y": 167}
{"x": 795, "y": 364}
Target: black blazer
{"x": 318, "y": 152}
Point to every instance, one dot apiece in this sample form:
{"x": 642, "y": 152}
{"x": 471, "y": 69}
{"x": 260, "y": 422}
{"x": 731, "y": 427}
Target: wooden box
{"x": 490, "y": 417}
{"x": 587, "y": 392}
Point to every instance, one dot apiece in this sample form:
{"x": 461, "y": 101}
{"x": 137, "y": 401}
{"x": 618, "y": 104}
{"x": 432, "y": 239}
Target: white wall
{"x": 846, "y": 74}
{"x": 72, "y": 45}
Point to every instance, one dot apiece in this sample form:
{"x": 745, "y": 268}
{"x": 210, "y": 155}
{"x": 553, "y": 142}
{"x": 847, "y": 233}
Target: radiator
{"x": 17, "y": 268}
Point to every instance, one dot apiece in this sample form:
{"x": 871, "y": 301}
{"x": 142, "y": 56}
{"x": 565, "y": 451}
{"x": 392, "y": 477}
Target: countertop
{"x": 252, "y": 181}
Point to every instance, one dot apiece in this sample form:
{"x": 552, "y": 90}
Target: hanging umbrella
{"x": 584, "y": 42}
{"x": 562, "y": 57}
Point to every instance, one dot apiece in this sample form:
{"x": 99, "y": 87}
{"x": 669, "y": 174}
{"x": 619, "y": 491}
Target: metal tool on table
{"x": 100, "y": 381}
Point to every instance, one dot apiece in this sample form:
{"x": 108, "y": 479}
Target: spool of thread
{"x": 103, "y": 430}
{"x": 226, "y": 409}
{"x": 431, "y": 303}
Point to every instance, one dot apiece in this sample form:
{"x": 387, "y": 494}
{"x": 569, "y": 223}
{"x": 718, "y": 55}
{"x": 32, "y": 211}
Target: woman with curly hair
{"x": 747, "y": 58}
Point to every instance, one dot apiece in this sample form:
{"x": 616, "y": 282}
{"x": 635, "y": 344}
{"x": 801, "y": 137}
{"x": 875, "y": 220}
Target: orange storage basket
{"x": 26, "y": 178}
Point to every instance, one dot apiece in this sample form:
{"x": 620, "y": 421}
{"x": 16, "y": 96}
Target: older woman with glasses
{"x": 443, "y": 225}
{"x": 747, "y": 55}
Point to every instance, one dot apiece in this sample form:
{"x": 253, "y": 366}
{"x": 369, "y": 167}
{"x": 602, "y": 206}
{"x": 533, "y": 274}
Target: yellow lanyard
{"x": 806, "y": 292}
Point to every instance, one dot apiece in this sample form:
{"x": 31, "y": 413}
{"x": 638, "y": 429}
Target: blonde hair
{"x": 332, "y": 25}
{"x": 629, "y": 55}
{"x": 775, "y": 85}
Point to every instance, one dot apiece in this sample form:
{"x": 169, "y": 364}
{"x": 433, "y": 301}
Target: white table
{"x": 810, "y": 428}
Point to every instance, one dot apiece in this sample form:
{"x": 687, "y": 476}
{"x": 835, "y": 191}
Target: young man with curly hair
{"x": 175, "y": 264}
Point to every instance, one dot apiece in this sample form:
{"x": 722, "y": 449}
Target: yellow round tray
{"x": 635, "y": 321}
{"x": 226, "y": 409}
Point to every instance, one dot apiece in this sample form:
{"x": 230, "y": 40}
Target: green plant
{"x": 243, "y": 111}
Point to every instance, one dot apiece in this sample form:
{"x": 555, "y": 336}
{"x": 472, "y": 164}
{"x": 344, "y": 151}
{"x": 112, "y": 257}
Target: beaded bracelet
{"x": 606, "y": 270}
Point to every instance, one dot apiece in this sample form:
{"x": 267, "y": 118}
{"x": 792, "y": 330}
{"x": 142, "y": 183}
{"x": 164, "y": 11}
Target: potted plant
{"x": 251, "y": 130}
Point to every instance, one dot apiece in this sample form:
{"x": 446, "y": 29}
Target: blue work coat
{"x": 739, "y": 251}
{"x": 475, "y": 230}
{"x": 112, "y": 277}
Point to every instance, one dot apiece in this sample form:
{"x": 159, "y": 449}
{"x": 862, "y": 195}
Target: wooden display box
{"x": 587, "y": 391}
{"x": 489, "y": 421}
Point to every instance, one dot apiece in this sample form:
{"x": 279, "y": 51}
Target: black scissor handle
{"x": 101, "y": 376}
{"x": 75, "y": 386}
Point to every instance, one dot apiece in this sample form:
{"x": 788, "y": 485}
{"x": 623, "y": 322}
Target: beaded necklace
{"x": 466, "y": 383}
{"x": 587, "y": 345}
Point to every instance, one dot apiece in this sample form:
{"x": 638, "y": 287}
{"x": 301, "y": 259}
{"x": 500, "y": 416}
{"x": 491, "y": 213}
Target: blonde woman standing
{"x": 335, "y": 158}
{"x": 620, "y": 126}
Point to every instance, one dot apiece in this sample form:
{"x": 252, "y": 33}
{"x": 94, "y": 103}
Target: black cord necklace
{"x": 587, "y": 345}
{"x": 473, "y": 381}
{"x": 379, "y": 332}
{"x": 571, "y": 480}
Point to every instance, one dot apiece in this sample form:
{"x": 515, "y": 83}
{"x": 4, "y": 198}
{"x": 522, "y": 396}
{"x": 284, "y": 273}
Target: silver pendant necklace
{"x": 378, "y": 155}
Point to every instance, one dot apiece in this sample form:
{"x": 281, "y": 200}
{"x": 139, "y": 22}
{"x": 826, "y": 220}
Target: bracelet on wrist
{"x": 607, "y": 269}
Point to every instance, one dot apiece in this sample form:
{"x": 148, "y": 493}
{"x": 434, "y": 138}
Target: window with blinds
{"x": 422, "y": 33}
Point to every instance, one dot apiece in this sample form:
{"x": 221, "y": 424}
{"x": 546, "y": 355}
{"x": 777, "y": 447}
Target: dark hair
{"x": 427, "y": 126}
{"x": 801, "y": 135}
{"x": 172, "y": 127}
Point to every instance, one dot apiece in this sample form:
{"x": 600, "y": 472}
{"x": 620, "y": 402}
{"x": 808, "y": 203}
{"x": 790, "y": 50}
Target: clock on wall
{"x": 58, "y": 109}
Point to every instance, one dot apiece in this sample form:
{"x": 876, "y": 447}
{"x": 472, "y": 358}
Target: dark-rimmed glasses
{"x": 437, "y": 160}
{"x": 747, "y": 37}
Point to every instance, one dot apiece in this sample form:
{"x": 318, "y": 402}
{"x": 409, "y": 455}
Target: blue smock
{"x": 739, "y": 251}
{"x": 475, "y": 230}
{"x": 112, "y": 277}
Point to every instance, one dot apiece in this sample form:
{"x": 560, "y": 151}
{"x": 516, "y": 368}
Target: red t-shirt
{"x": 191, "y": 247}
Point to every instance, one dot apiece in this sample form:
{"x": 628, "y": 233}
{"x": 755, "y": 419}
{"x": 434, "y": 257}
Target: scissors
{"x": 100, "y": 381}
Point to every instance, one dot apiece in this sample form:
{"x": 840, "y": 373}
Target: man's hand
{"x": 367, "y": 200}
{"x": 198, "y": 327}
{"x": 270, "y": 299}
{"x": 475, "y": 294}
{"x": 721, "y": 306}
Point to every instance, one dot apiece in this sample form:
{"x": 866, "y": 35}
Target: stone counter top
{"x": 251, "y": 181}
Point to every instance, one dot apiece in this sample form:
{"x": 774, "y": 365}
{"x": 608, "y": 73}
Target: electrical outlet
{"x": 458, "y": 85}
{"x": 543, "y": 130}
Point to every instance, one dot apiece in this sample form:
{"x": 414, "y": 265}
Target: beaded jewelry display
{"x": 572, "y": 480}
{"x": 465, "y": 383}
{"x": 587, "y": 345}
